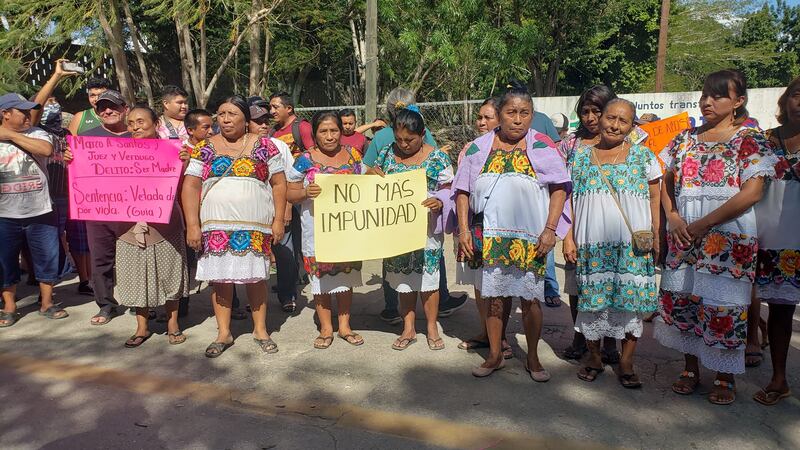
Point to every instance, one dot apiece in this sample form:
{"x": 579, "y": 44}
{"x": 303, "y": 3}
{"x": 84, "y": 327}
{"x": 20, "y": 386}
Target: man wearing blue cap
{"x": 26, "y": 208}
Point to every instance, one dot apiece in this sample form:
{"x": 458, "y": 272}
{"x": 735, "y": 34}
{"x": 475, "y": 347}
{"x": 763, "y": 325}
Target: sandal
{"x": 54, "y": 312}
{"x": 682, "y": 387}
{"x": 289, "y": 307}
{"x": 436, "y": 344}
{"x": 630, "y": 381}
{"x": 176, "y": 338}
{"x": 753, "y": 363}
{"x": 135, "y": 340}
{"x": 322, "y": 342}
{"x": 770, "y": 398}
{"x": 714, "y": 396}
{"x": 589, "y": 374}
{"x": 481, "y": 372}
{"x": 268, "y": 345}
{"x": 508, "y": 352}
{"x": 105, "y": 315}
{"x": 573, "y": 352}
{"x": 9, "y": 318}
{"x": 539, "y": 376}
{"x": 217, "y": 348}
{"x": 352, "y": 338}
{"x": 552, "y": 302}
{"x": 472, "y": 344}
{"x": 610, "y": 357}
{"x": 403, "y": 343}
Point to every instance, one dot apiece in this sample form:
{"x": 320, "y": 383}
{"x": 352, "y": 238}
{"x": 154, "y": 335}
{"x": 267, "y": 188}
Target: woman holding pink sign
{"x": 234, "y": 197}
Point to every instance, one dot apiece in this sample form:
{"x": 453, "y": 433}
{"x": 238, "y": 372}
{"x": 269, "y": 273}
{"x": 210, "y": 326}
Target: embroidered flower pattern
{"x": 239, "y": 243}
{"x": 720, "y": 327}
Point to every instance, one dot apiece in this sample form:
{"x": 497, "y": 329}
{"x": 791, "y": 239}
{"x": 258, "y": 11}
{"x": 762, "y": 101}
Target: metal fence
{"x": 451, "y": 123}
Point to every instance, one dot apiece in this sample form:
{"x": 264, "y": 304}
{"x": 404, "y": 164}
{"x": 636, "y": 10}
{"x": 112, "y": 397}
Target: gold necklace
{"x": 619, "y": 152}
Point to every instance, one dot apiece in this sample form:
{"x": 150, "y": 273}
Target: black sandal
{"x": 216, "y": 349}
{"x": 54, "y": 312}
{"x": 630, "y": 381}
{"x": 135, "y": 340}
{"x": 589, "y": 374}
{"x": 9, "y": 318}
{"x": 268, "y": 345}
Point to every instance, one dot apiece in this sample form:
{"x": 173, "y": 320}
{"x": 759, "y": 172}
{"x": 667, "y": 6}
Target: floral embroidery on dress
{"x": 719, "y": 252}
{"x": 614, "y": 257}
{"x": 320, "y": 269}
{"x": 720, "y": 327}
{"x": 513, "y": 252}
{"x": 629, "y": 177}
{"x": 305, "y": 164}
{"x": 617, "y": 294}
{"x": 778, "y": 267}
{"x": 254, "y": 165}
{"x": 239, "y": 243}
{"x": 515, "y": 161}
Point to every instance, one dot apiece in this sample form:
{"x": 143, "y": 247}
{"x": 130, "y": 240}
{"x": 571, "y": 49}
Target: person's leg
{"x": 481, "y": 337}
{"x": 172, "y": 310}
{"x": 142, "y": 319}
{"x": 257, "y": 295}
{"x": 344, "y": 301}
{"x": 79, "y": 249}
{"x": 408, "y": 311}
{"x": 430, "y": 304}
{"x": 447, "y": 303}
{"x": 286, "y": 265}
{"x": 102, "y": 250}
{"x": 11, "y": 233}
{"x": 390, "y": 301}
{"x": 594, "y": 365}
{"x": 578, "y": 346}
{"x": 444, "y": 292}
{"x": 779, "y": 327}
{"x": 322, "y": 304}
{"x": 752, "y": 352}
{"x": 552, "y": 293}
{"x": 690, "y": 377}
{"x": 724, "y": 392}
{"x": 494, "y": 329}
{"x": 532, "y": 323}
{"x": 628, "y": 349}
{"x": 221, "y": 301}
{"x": 43, "y": 240}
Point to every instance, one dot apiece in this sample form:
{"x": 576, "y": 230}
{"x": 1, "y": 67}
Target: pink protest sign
{"x": 123, "y": 179}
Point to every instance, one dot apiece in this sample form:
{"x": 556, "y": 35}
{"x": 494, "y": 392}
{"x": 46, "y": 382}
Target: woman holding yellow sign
{"x": 329, "y": 156}
{"x": 417, "y": 271}
{"x": 511, "y": 189}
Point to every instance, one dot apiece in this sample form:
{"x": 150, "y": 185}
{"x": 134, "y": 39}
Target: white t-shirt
{"x": 23, "y": 180}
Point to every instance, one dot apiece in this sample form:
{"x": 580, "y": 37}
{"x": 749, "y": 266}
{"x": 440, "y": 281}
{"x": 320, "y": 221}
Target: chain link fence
{"x": 451, "y": 123}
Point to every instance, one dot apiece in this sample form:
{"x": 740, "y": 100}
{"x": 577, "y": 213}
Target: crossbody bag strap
{"x": 596, "y": 162}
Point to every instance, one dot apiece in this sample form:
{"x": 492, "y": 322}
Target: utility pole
{"x": 661, "y": 58}
{"x": 371, "y": 94}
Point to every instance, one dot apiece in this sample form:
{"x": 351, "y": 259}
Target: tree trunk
{"x": 116, "y": 44}
{"x": 185, "y": 77}
{"x": 299, "y": 82}
{"x": 265, "y": 61}
{"x": 359, "y": 46}
{"x": 254, "y": 41}
{"x": 137, "y": 49}
{"x": 185, "y": 40}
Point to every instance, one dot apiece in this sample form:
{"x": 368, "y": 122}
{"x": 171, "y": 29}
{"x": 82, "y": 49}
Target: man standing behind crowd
{"x": 112, "y": 110}
{"x": 351, "y": 136}
{"x": 26, "y": 208}
{"x": 88, "y": 119}
{"x": 289, "y": 128}
{"x": 175, "y": 102}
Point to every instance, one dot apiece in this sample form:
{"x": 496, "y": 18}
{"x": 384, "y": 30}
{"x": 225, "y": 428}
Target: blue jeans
{"x": 41, "y": 233}
{"x": 390, "y": 295}
{"x": 550, "y": 280}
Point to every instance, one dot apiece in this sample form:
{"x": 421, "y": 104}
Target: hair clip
{"x": 399, "y": 105}
{"x": 414, "y": 108}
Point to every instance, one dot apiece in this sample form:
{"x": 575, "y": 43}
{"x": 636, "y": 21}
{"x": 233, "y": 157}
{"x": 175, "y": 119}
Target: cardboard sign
{"x": 123, "y": 179}
{"x": 661, "y": 132}
{"x": 361, "y": 217}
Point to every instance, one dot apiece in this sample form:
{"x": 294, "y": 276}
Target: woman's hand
{"x": 678, "y": 230}
{"x": 313, "y": 190}
{"x": 375, "y": 171}
{"x": 433, "y": 203}
{"x": 68, "y": 156}
{"x": 184, "y": 153}
{"x": 277, "y": 231}
{"x": 570, "y": 251}
{"x": 194, "y": 238}
{"x": 465, "y": 244}
{"x": 698, "y": 230}
{"x": 547, "y": 240}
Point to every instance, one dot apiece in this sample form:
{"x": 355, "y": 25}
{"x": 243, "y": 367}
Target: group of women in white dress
{"x": 727, "y": 194}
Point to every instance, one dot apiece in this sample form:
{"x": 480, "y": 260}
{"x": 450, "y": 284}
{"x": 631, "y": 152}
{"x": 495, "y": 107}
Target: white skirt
{"x": 228, "y": 268}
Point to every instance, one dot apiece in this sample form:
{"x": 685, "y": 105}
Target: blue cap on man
{"x": 16, "y": 101}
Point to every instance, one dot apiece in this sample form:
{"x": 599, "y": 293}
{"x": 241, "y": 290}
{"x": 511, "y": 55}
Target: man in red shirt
{"x": 289, "y": 128}
{"x": 350, "y": 136}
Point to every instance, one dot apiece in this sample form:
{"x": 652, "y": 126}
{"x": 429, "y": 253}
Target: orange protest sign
{"x": 661, "y": 132}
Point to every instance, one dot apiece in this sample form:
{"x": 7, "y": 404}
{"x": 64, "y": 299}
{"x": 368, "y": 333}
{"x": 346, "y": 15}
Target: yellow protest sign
{"x": 361, "y": 217}
{"x": 661, "y": 132}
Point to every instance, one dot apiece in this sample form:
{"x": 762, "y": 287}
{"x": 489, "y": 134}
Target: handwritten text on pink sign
{"x": 123, "y": 179}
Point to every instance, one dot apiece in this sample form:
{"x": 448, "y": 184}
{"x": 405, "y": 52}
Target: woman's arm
{"x": 190, "y": 200}
{"x": 677, "y": 226}
{"x": 297, "y": 193}
{"x": 547, "y": 238}
{"x": 569, "y": 248}
{"x": 464, "y": 233}
{"x": 278, "y": 183}
{"x": 655, "y": 214}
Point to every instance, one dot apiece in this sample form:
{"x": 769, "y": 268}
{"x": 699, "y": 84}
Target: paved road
{"x": 68, "y": 385}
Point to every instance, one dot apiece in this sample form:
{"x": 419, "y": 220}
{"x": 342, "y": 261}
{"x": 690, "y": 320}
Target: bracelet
{"x": 463, "y": 233}
{"x": 550, "y": 227}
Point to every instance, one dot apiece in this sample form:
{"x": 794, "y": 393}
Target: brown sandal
{"x": 354, "y": 339}
{"x": 403, "y": 343}
{"x": 770, "y": 398}
{"x": 683, "y": 388}
{"x": 323, "y": 342}
{"x": 176, "y": 338}
{"x": 725, "y": 386}
{"x": 436, "y": 344}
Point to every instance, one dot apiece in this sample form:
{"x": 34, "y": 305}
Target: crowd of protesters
{"x": 716, "y": 210}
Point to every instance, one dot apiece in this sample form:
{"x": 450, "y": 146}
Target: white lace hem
{"x": 718, "y": 359}
{"x": 413, "y": 282}
{"x": 784, "y": 293}
{"x": 595, "y": 325}
{"x": 229, "y": 268}
{"x": 715, "y": 290}
{"x": 509, "y": 282}
{"x": 335, "y": 284}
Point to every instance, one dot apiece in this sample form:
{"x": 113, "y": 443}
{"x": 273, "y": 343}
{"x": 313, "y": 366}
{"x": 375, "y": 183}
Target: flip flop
{"x": 472, "y": 344}
{"x": 217, "y": 348}
{"x": 268, "y": 345}
{"x": 482, "y": 372}
{"x": 630, "y": 381}
{"x": 54, "y": 312}
{"x": 756, "y": 363}
{"x": 323, "y": 342}
{"x": 10, "y": 318}
{"x": 357, "y": 339}
{"x": 135, "y": 341}
{"x": 403, "y": 343}
{"x": 434, "y": 344}
{"x": 729, "y": 385}
{"x": 552, "y": 302}
{"x": 589, "y": 374}
{"x": 103, "y": 314}
{"x": 176, "y": 338}
{"x": 686, "y": 375}
{"x": 508, "y": 352}
{"x": 770, "y": 398}
{"x": 539, "y": 376}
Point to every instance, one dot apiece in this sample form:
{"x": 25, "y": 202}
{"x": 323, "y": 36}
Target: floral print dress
{"x": 706, "y": 288}
{"x": 236, "y": 211}
{"x": 616, "y": 284}
{"x": 325, "y": 278}
{"x": 778, "y": 215}
{"x": 418, "y": 271}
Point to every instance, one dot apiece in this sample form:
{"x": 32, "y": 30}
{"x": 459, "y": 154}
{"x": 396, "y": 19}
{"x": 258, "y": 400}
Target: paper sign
{"x": 661, "y": 132}
{"x": 361, "y": 217}
{"x": 123, "y": 179}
